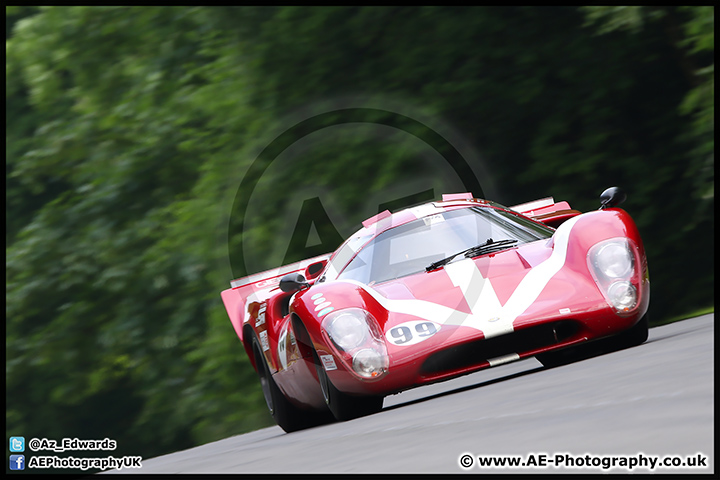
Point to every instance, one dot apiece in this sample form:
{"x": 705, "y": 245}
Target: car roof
{"x": 383, "y": 221}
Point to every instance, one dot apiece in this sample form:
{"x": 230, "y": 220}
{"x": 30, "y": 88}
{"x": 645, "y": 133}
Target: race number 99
{"x": 410, "y": 333}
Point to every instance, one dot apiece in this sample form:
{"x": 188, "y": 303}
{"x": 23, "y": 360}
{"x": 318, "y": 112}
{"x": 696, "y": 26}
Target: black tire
{"x": 288, "y": 416}
{"x": 632, "y": 337}
{"x": 343, "y": 406}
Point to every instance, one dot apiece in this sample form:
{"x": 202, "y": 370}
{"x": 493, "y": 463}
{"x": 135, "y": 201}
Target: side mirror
{"x": 292, "y": 282}
{"x": 612, "y": 197}
{"x": 314, "y": 269}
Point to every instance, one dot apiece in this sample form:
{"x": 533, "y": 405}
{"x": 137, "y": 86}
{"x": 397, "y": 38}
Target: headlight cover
{"x": 614, "y": 259}
{"x": 622, "y": 295}
{"x": 612, "y": 264}
{"x": 346, "y": 328}
{"x": 358, "y": 342}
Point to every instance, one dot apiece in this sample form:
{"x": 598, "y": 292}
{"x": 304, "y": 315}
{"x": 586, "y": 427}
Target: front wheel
{"x": 288, "y": 416}
{"x": 344, "y": 406}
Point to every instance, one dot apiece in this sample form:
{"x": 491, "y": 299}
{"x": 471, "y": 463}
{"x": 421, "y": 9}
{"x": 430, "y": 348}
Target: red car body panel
{"x": 467, "y": 315}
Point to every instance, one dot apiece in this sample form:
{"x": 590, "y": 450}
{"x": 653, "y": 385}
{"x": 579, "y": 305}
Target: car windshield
{"x": 411, "y": 247}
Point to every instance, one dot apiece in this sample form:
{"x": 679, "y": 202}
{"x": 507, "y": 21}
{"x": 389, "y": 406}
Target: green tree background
{"x": 129, "y": 130}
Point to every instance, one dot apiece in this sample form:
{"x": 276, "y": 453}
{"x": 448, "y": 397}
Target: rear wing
{"x": 247, "y": 293}
{"x": 547, "y": 211}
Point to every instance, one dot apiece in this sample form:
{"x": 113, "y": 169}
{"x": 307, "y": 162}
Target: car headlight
{"x": 612, "y": 264}
{"x": 614, "y": 259}
{"x": 369, "y": 363}
{"x": 358, "y": 341}
{"x": 622, "y": 295}
{"x": 346, "y": 328}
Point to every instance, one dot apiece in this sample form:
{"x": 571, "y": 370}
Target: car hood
{"x": 491, "y": 294}
{"x": 503, "y": 270}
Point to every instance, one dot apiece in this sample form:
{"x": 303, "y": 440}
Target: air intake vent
{"x": 479, "y": 351}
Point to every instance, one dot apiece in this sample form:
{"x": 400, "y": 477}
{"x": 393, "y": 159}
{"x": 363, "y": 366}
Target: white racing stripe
{"x": 282, "y": 349}
{"x": 486, "y": 312}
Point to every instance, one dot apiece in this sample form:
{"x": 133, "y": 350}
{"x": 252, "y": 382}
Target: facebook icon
{"x": 17, "y": 462}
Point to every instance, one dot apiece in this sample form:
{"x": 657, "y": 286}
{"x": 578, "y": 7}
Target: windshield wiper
{"x": 488, "y": 247}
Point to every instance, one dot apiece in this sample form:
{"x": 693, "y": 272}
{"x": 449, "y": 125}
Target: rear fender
{"x": 242, "y": 301}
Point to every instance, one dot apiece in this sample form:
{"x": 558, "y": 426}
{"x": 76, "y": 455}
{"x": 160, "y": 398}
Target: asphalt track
{"x": 655, "y": 399}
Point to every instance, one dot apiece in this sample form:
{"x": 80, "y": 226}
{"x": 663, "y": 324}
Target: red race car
{"x": 437, "y": 291}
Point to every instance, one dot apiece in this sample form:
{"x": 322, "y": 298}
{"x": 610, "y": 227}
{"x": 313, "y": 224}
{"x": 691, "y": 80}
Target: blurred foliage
{"x": 129, "y": 130}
